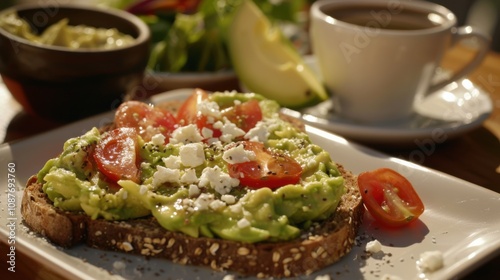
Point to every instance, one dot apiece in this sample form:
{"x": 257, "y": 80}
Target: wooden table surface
{"x": 474, "y": 157}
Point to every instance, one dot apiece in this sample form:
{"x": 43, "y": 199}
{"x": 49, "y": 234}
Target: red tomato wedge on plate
{"x": 116, "y": 155}
{"x": 390, "y": 197}
{"x": 269, "y": 169}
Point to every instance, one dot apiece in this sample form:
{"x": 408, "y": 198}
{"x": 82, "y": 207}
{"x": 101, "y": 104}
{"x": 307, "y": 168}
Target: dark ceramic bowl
{"x": 62, "y": 84}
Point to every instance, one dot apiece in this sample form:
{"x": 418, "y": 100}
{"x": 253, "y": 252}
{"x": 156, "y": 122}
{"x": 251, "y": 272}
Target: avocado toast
{"x": 222, "y": 181}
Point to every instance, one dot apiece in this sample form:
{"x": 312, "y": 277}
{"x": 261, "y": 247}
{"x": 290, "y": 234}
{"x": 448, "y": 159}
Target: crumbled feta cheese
{"x": 229, "y": 199}
{"x": 431, "y": 261}
{"x": 259, "y": 133}
{"x": 158, "y": 139}
{"x": 217, "y": 204}
{"x": 203, "y": 201}
{"x": 189, "y": 177}
{"x": 193, "y": 190}
{"x": 243, "y": 223}
{"x": 218, "y": 125}
{"x": 373, "y": 246}
{"x": 230, "y": 131}
{"x": 163, "y": 175}
{"x": 186, "y": 134}
{"x": 217, "y": 179}
{"x": 238, "y": 154}
{"x": 179, "y": 204}
{"x": 187, "y": 203}
{"x": 207, "y": 133}
{"x": 192, "y": 154}
{"x": 210, "y": 119}
{"x": 262, "y": 130}
{"x": 209, "y": 108}
{"x": 236, "y": 208}
{"x": 173, "y": 162}
{"x": 211, "y": 141}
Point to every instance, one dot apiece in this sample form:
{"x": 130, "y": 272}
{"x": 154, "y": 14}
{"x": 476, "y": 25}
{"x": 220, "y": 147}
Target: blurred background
{"x": 482, "y": 14}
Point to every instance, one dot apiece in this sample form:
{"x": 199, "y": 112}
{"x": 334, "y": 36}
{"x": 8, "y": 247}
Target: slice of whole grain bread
{"x": 323, "y": 244}
{"x": 319, "y": 246}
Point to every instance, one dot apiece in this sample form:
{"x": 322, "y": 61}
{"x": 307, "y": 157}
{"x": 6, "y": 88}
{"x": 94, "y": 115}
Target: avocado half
{"x": 267, "y": 63}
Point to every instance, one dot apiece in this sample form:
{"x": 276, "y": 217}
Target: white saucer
{"x": 456, "y": 109}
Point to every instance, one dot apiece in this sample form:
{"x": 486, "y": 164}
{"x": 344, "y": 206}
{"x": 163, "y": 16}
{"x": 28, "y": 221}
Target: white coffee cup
{"x": 380, "y": 57}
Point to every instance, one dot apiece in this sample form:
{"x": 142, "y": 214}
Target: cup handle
{"x": 460, "y": 34}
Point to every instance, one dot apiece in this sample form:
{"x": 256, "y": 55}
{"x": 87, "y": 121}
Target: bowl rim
{"x": 143, "y": 37}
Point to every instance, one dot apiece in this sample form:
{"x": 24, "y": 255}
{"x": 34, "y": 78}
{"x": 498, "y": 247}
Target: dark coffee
{"x": 385, "y": 17}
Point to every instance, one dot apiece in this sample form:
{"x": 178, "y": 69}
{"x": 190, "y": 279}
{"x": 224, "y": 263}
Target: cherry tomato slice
{"x": 188, "y": 112}
{"x": 390, "y": 197}
{"x": 269, "y": 170}
{"x": 245, "y": 115}
{"x": 148, "y": 120}
{"x": 116, "y": 155}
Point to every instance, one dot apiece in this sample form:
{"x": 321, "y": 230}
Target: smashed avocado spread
{"x": 228, "y": 167}
{"x": 63, "y": 35}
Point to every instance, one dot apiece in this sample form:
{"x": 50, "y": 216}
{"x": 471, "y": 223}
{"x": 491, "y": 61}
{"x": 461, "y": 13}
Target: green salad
{"x": 189, "y": 35}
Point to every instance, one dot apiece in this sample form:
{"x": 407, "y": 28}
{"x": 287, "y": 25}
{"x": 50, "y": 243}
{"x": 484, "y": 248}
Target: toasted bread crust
{"x": 321, "y": 245}
{"x": 62, "y": 228}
